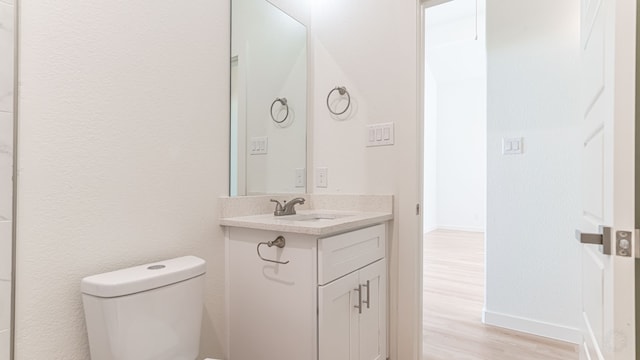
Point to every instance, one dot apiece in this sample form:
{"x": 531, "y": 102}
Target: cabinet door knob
{"x": 359, "y": 306}
{"x": 368, "y": 302}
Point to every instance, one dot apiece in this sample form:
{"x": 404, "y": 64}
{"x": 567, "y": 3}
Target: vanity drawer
{"x": 341, "y": 254}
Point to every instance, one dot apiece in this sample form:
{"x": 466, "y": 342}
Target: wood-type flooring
{"x": 453, "y": 300}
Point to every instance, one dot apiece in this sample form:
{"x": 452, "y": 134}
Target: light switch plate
{"x": 512, "y": 146}
{"x": 379, "y": 134}
{"x": 322, "y": 174}
{"x": 259, "y": 145}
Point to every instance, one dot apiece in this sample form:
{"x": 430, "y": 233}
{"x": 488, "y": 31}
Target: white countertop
{"x": 310, "y": 222}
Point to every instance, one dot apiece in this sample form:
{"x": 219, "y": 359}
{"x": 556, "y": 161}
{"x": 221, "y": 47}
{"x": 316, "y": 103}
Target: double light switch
{"x": 512, "y": 146}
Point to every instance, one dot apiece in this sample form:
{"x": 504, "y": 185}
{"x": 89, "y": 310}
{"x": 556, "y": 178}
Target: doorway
{"x": 457, "y": 150}
{"x": 454, "y": 177}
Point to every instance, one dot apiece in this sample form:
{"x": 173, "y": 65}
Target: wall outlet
{"x": 259, "y": 145}
{"x": 380, "y": 134}
{"x": 300, "y": 177}
{"x": 322, "y": 174}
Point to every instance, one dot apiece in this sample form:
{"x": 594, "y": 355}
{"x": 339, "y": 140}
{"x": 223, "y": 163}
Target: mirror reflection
{"x": 268, "y": 100}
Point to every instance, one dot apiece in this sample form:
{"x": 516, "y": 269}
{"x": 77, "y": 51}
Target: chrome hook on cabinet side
{"x": 279, "y": 242}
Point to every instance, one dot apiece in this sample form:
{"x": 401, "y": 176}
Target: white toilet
{"x": 147, "y": 312}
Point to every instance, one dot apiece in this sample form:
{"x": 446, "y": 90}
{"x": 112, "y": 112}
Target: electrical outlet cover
{"x": 322, "y": 174}
{"x": 300, "y": 177}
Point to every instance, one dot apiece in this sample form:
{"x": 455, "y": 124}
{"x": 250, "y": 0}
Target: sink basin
{"x": 313, "y": 217}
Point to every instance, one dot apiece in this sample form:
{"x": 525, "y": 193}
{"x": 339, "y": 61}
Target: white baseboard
{"x": 460, "y": 228}
{"x": 429, "y": 229}
{"x": 553, "y": 331}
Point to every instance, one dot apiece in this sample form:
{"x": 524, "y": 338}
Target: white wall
{"x": 123, "y": 152}
{"x": 7, "y": 9}
{"x": 297, "y": 9}
{"x": 461, "y": 152}
{"x": 533, "y": 266}
{"x": 455, "y": 165}
{"x": 370, "y": 47}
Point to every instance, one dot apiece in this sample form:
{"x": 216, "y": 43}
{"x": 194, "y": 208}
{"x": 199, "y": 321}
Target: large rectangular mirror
{"x": 268, "y": 100}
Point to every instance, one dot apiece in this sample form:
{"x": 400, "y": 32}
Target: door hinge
{"x": 624, "y": 243}
{"x": 636, "y": 243}
{"x": 418, "y": 209}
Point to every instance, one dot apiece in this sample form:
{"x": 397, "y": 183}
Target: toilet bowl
{"x": 146, "y": 312}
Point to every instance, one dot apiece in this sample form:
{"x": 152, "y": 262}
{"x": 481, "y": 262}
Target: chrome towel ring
{"x": 283, "y": 102}
{"x": 342, "y": 91}
{"x": 278, "y": 242}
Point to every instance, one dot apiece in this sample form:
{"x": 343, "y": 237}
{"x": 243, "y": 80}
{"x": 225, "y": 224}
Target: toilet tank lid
{"x": 143, "y": 277}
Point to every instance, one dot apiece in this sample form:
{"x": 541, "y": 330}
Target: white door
{"x": 608, "y": 63}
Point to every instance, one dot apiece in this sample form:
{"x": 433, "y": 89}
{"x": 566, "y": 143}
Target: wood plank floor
{"x": 453, "y": 300}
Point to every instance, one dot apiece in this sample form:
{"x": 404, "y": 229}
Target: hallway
{"x": 453, "y": 299}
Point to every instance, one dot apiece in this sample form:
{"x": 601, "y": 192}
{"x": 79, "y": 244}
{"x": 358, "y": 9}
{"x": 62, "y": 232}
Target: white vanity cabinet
{"x": 327, "y": 303}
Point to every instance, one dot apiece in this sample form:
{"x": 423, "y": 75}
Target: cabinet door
{"x": 338, "y": 331}
{"x": 373, "y": 324}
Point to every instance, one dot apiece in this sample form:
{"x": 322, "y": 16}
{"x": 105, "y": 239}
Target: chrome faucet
{"x": 288, "y": 208}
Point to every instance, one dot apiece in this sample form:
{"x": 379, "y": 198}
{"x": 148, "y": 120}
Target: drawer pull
{"x": 359, "y": 306}
{"x": 278, "y": 242}
{"x": 368, "y": 302}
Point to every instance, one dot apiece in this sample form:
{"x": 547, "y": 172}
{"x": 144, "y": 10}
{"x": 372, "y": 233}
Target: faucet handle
{"x": 279, "y": 209}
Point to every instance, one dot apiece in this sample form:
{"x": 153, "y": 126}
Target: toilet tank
{"x": 146, "y": 312}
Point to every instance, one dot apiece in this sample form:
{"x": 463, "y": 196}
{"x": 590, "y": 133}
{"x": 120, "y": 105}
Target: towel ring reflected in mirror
{"x": 283, "y": 102}
{"x": 342, "y": 91}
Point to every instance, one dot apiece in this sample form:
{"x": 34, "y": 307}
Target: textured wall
{"x": 123, "y": 152}
{"x": 7, "y": 14}
{"x": 533, "y": 261}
